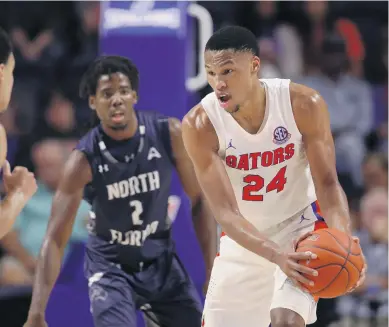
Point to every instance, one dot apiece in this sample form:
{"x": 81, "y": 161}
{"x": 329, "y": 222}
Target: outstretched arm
{"x": 203, "y": 220}
{"x": 76, "y": 175}
{"x": 313, "y": 121}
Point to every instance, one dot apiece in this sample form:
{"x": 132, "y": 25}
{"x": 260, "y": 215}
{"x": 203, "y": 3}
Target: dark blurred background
{"x": 339, "y": 48}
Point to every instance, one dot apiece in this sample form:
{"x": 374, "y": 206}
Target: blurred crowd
{"x": 338, "y": 48}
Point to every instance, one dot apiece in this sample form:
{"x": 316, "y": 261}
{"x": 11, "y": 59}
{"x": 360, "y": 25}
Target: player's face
{"x": 6, "y": 82}
{"x": 232, "y": 76}
{"x": 114, "y": 101}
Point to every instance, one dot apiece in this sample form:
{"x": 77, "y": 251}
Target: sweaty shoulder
{"x": 308, "y": 106}
{"x": 197, "y": 127}
{"x": 3, "y": 145}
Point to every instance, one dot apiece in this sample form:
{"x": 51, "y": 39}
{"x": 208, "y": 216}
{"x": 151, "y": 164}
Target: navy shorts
{"x": 163, "y": 291}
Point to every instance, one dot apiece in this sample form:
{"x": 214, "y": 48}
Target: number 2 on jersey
{"x": 255, "y": 183}
{"x": 138, "y": 209}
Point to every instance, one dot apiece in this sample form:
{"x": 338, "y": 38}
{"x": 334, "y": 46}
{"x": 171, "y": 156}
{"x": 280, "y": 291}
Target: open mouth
{"x": 224, "y": 100}
{"x": 117, "y": 117}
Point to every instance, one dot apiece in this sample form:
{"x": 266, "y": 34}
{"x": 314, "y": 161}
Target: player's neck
{"x": 125, "y": 133}
{"x": 254, "y": 107}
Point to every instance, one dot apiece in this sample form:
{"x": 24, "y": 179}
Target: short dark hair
{"x": 5, "y": 46}
{"x": 106, "y": 65}
{"x": 236, "y": 38}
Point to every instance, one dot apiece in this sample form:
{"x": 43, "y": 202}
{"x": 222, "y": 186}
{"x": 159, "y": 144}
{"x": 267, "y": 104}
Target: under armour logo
{"x": 103, "y": 168}
{"x": 303, "y": 218}
{"x": 230, "y": 145}
{"x": 128, "y": 158}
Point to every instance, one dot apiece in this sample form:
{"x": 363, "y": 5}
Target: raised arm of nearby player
{"x": 76, "y": 175}
{"x": 201, "y": 142}
{"x": 313, "y": 121}
{"x": 19, "y": 186}
{"x": 204, "y": 223}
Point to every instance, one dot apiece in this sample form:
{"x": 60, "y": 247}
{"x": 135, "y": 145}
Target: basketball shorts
{"x": 163, "y": 292}
{"x": 245, "y": 287}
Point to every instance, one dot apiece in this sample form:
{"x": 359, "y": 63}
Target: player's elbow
{"x": 327, "y": 181}
{"x": 225, "y": 218}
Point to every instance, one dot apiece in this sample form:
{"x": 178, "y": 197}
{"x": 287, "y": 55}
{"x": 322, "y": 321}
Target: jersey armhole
{"x": 88, "y": 188}
{"x": 290, "y": 113}
{"x": 166, "y": 139}
{"x": 217, "y": 127}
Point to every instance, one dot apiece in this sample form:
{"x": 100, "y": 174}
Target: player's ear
{"x": 256, "y": 64}
{"x": 135, "y": 97}
{"x": 92, "y": 102}
{"x": 2, "y": 67}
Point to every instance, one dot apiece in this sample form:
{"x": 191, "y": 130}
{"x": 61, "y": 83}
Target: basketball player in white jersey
{"x": 263, "y": 154}
{"x": 19, "y": 184}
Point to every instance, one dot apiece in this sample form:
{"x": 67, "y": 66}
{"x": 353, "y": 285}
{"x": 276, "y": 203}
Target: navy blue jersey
{"x": 129, "y": 192}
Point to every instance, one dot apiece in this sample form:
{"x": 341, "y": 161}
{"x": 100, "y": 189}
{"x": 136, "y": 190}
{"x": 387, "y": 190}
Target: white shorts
{"x": 245, "y": 287}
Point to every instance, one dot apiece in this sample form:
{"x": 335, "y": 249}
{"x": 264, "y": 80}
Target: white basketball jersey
{"x": 269, "y": 171}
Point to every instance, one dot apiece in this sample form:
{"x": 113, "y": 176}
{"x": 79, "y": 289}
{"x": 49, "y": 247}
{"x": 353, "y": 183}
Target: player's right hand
{"x": 288, "y": 262}
{"x": 19, "y": 180}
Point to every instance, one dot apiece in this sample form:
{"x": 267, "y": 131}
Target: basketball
{"x": 339, "y": 262}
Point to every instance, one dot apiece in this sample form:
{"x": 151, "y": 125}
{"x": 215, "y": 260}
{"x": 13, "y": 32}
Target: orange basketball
{"x": 339, "y": 262}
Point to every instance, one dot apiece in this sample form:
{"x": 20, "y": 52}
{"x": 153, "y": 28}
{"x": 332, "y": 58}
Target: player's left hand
{"x": 363, "y": 272}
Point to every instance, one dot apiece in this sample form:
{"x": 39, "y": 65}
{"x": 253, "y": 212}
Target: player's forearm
{"x": 48, "y": 268}
{"x": 10, "y": 208}
{"x": 245, "y": 234}
{"x": 334, "y": 206}
{"x": 205, "y": 227}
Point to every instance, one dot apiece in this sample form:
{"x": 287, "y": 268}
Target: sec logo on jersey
{"x": 281, "y": 135}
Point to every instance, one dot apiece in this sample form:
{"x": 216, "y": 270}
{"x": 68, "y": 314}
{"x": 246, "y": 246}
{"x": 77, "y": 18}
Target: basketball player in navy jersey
{"x": 20, "y": 184}
{"x": 123, "y": 167}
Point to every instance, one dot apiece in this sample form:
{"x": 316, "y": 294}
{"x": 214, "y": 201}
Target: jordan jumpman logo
{"x": 230, "y": 145}
{"x": 303, "y": 218}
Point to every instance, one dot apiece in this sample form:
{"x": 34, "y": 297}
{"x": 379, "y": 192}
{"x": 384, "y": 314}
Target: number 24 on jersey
{"x": 256, "y": 183}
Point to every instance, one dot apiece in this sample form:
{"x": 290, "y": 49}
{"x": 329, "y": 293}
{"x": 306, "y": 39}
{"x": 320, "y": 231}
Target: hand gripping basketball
{"x": 362, "y": 276}
{"x": 340, "y": 262}
{"x": 288, "y": 263}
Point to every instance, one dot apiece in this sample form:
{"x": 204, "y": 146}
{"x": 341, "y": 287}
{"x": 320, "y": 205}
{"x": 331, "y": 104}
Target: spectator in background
{"x": 86, "y": 50}
{"x": 22, "y": 245}
{"x": 313, "y": 29}
{"x": 374, "y": 212}
{"x": 349, "y": 102}
{"x": 375, "y": 171}
{"x": 369, "y": 304}
{"x": 36, "y": 31}
{"x": 279, "y": 43}
{"x": 57, "y": 120}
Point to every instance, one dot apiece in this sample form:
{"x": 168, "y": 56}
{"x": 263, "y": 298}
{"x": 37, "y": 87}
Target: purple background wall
{"x": 160, "y": 54}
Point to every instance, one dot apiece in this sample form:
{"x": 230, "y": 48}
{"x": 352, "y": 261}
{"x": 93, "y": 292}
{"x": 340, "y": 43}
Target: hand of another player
{"x": 288, "y": 262}
{"x": 20, "y": 179}
{"x": 362, "y": 277}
